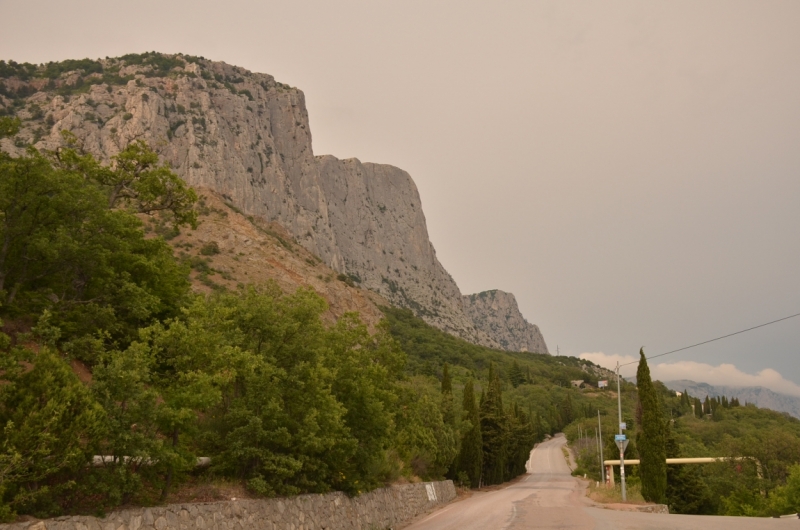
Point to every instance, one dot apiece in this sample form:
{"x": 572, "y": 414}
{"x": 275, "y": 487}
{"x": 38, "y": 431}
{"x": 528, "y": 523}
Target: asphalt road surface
{"x": 549, "y": 497}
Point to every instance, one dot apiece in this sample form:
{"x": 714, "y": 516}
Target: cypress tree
{"x": 554, "y": 420}
{"x": 538, "y": 431}
{"x": 470, "y": 458}
{"x": 515, "y": 375}
{"x": 447, "y": 384}
{"x": 567, "y": 410}
{"x": 521, "y": 441}
{"x": 448, "y": 408}
{"x": 651, "y": 438}
{"x": 698, "y": 408}
{"x": 495, "y": 432}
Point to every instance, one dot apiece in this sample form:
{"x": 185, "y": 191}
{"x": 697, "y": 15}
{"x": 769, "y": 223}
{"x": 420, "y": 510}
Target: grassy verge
{"x": 605, "y": 495}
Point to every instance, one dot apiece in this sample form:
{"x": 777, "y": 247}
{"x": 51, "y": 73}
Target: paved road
{"x": 549, "y": 497}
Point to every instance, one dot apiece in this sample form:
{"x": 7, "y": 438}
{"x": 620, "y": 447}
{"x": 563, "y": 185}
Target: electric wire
{"x": 718, "y": 338}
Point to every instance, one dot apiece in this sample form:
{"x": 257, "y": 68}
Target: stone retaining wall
{"x": 379, "y": 509}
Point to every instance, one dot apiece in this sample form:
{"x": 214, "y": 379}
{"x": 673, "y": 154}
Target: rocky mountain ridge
{"x": 246, "y": 137}
{"x": 758, "y": 395}
{"x": 497, "y": 314}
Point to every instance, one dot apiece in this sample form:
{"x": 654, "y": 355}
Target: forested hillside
{"x": 107, "y": 351}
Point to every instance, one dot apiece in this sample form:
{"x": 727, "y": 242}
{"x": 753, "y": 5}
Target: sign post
{"x": 600, "y": 444}
{"x": 621, "y": 440}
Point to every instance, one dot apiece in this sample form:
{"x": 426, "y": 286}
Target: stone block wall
{"x": 380, "y": 509}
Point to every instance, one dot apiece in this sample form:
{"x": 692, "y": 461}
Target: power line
{"x": 718, "y": 338}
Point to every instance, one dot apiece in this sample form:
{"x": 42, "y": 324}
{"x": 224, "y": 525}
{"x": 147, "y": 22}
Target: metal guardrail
{"x": 609, "y": 464}
{"x": 675, "y": 461}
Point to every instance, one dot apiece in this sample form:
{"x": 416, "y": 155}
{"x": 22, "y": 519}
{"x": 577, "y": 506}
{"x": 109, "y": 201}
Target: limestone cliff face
{"x": 496, "y": 313}
{"x": 220, "y": 127}
{"x": 380, "y": 230}
{"x": 246, "y": 137}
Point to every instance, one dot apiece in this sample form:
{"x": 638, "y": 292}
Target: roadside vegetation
{"x": 760, "y": 477}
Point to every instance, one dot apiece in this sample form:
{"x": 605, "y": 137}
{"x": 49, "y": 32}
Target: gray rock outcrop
{"x": 247, "y": 137}
{"x": 377, "y": 221}
{"x": 497, "y": 314}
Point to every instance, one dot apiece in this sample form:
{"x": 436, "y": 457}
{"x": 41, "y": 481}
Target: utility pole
{"x": 600, "y": 444}
{"x": 621, "y": 441}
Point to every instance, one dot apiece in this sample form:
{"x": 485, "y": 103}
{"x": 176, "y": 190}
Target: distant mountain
{"x": 758, "y": 395}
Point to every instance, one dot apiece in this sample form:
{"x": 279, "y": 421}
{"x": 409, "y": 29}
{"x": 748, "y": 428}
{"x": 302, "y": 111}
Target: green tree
{"x": 470, "y": 456}
{"x": 448, "y": 406}
{"x": 135, "y": 181}
{"x": 122, "y": 383}
{"x": 255, "y": 361}
{"x": 8, "y": 126}
{"x": 50, "y": 424}
{"x": 686, "y": 491}
{"x": 567, "y": 409}
{"x": 191, "y": 365}
{"x": 522, "y": 437}
{"x": 494, "y": 432}
{"x": 62, "y": 249}
{"x": 786, "y": 498}
{"x": 515, "y": 374}
{"x": 424, "y": 440}
{"x": 365, "y": 371}
{"x": 650, "y": 437}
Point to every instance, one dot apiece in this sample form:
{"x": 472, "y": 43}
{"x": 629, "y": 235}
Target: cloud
{"x": 724, "y": 374}
{"x": 608, "y": 360}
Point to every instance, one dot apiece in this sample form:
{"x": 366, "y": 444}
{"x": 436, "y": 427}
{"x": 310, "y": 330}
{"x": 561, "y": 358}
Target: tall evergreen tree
{"x": 538, "y": 431}
{"x": 448, "y": 407}
{"x": 522, "y": 438}
{"x": 470, "y": 457}
{"x": 515, "y": 375}
{"x": 447, "y": 384}
{"x": 567, "y": 410}
{"x": 651, "y": 439}
{"x": 494, "y": 429}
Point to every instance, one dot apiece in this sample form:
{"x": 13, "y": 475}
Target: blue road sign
{"x": 619, "y": 438}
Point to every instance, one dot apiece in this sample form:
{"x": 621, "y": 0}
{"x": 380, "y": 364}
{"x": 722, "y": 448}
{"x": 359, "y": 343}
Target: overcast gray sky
{"x": 630, "y": 170}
